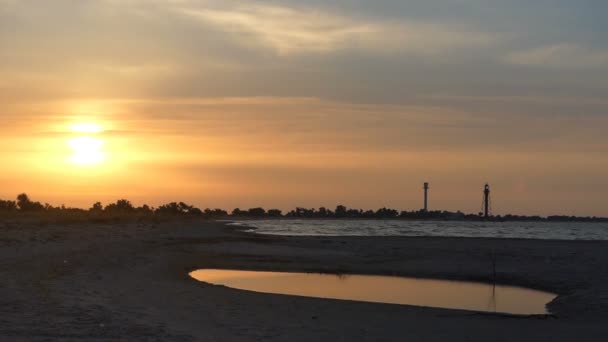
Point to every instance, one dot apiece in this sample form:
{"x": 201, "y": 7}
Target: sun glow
{"x": 87, "y": 127}
{"x": 87, "y": 148}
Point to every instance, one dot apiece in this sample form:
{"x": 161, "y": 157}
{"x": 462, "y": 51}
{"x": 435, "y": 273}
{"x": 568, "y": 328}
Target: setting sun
{"x": 86, "y": 150}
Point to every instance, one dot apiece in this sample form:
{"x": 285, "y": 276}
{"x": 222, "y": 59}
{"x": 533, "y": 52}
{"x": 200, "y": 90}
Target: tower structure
{"x": 426, "y": 197}
{"x": 486, "y": 201}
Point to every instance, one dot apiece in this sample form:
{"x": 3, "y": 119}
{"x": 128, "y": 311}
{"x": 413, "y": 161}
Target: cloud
{"x": 564, "y": 55}
{"x": 344, "y": 51}
{"x": 291, "y": 30}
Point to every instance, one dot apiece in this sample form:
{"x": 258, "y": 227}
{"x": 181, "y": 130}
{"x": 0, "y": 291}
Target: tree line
{"x": 26, "y": 205}
{"x": 124, "y": 207}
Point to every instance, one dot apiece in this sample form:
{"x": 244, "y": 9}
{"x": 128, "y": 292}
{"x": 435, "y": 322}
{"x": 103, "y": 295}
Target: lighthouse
{"x": 486, "y": 201}
{"x": 426, "y": 197}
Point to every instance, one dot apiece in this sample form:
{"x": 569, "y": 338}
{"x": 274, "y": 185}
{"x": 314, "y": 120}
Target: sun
{"x": 87, "y": 147}
{"x": 86, "y": 151}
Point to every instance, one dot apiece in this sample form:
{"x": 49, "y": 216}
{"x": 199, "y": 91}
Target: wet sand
{"x": 101, "y": 282}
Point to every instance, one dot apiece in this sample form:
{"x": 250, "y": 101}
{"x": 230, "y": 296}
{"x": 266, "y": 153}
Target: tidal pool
{"x": 384, "y": 289}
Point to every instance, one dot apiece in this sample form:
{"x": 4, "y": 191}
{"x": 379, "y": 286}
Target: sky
{"x": 307, "y": 103}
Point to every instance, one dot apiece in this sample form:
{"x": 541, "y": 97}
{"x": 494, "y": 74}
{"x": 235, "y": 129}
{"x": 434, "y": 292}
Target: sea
{"x": 518, "y": 230}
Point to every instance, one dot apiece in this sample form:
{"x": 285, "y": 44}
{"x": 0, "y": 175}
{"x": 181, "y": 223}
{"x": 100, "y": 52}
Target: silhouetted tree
{"x": 49, "y": 207}
{"x": 195, "y": 211}
{"x": 386, "y": 213}
{"x": 169, "y": 208}
{"x": 369, "y": 214}
{"x": 96, "y": 208}
{"x": 215, "y": 213}
{"x": 323, "y": 212}
{"x": 180, "y": 208}
{"x": 145, "y": 209}
{"x": 121, "y": 206}
{"x": 341, "y": 211}
{"x": 256, "y": 212}
{"x": 354, "y": 213}
{"x": 275, "y": 213}
{"x": 25, "y": 204}
{"x": 8, "y": 205}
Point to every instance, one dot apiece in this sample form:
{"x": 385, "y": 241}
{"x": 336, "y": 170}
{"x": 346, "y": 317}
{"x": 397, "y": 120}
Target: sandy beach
{"x": 104, "y": 282}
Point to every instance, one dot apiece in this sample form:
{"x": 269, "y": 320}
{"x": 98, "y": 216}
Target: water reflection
{"x": 380, "y": 289}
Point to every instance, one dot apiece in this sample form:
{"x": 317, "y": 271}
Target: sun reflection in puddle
{"x": 381, "y": 289}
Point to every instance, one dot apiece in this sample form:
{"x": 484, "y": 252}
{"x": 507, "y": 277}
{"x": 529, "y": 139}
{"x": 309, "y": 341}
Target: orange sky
{"x": 282, "y": 104}
{"x": 275, "y": 152}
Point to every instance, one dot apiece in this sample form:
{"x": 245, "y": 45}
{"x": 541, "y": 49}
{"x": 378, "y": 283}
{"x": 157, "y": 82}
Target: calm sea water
{"x": 525, "y": 230}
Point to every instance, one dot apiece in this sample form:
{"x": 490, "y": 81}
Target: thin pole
{"x": 426, "y": 197}
{"x": 486, "y": 201}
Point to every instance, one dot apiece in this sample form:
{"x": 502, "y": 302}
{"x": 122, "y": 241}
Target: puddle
{"x": 380, "y": 289}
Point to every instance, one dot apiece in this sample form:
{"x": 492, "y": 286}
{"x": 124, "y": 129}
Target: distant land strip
{"x": 124, "y": 209}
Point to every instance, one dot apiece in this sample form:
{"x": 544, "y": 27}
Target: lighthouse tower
{"x": 486, "y": 201}
{"x": 426, "y": 197}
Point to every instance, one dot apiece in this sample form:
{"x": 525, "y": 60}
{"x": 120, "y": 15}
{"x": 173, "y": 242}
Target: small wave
{"x": 532, "y": 230}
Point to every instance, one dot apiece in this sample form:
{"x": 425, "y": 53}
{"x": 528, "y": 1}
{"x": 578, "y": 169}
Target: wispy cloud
{"x": 564, "y": 55}
{"x": 290, "y": 30}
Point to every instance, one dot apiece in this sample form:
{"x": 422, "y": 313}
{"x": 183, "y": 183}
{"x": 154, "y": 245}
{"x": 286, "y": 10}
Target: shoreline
{"x": 482, "y": 280}
{"x": 131, "y": 281}
{"x": 598, "y": 220}
{"x": 245, "y": 229}
{"x": 437, "y": 229}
